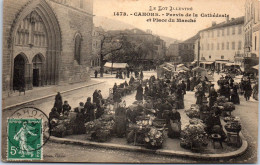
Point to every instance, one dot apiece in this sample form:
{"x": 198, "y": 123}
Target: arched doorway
{"x": 37, "y": 70}
{"x": 36, "y": 27}
{"x": 19, "y": 72}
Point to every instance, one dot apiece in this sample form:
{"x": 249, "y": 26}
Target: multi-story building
{"x": 46, "y": 42}
{"x": 252, "y": 30}
{"x": 173, "y": 53}
{"x": 186, "y": 49}
{"x": 221, "y": 42}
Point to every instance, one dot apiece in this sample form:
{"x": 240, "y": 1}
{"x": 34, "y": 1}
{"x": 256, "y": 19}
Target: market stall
{"x": 116, "y": 66}
{"x": 202, "y": 72}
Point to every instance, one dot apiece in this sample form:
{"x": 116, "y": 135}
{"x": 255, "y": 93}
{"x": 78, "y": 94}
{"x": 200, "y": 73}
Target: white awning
{"x": 231, "y": 64}
{"x": 116, "y": 65}
{"x": 222, "y": 62}
{"x": 256, "y": 67}
{"x": 207, "y": 62}
{"x": 166, "y": 69}
{"x": 180, "y": 65}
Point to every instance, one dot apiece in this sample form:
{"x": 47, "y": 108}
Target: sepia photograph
{"x": 130, "y": 81}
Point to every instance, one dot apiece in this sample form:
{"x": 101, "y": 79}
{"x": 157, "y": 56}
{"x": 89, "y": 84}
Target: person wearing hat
{"x": 66, "y": 107}
{"x": 174, "y": 123}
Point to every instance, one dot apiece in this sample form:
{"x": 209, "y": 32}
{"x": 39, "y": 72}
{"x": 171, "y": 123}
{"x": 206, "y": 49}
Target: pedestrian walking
{"x": 139, "y": 93}
{"x": 234, "y": 94}
{"x": 96, "y": 73}
{"x": 248, "y": 90}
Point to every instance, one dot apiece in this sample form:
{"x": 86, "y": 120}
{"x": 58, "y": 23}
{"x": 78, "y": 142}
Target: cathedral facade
{"x": 46, "y": 42}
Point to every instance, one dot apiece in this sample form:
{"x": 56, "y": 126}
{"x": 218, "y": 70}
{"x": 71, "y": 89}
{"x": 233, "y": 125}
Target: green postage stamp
{"x": 25, "y": 139}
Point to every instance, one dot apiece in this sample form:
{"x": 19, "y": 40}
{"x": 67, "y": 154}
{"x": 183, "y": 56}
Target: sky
{"x": 177, "y": 30}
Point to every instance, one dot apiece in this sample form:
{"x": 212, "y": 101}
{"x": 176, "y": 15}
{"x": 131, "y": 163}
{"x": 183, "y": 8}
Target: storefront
{"x": 220, "y": 64}
{"x": 207, "y": 64}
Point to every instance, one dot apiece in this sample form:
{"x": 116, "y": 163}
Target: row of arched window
{"x": 31, "y": 32}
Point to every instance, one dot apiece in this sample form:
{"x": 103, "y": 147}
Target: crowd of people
{"x": 165, "y": 96}
{"x": 86, "y": 112}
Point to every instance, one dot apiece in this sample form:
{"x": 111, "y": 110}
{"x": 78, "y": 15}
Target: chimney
{"x": 214, "y": 23}
{"x": 227, "y": 18}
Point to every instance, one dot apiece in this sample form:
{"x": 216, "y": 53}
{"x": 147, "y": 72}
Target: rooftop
{"x": 191, "y": 40}
{"x": 231, "y": 22}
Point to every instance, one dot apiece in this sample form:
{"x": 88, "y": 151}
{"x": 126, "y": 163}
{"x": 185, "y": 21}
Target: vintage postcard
{"x": 130, "y": 81}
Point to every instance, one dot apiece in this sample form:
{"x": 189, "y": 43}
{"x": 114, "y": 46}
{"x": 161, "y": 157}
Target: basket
{"x": 159, "y": 123}
{"x": 236, "y": 130}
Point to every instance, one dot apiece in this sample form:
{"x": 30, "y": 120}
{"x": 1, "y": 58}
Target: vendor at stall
{"x": 90, "y": 110}
{"x": 174, "y": 123}
{"x": 66, "y": 107}
{"x": 54, "y": 114}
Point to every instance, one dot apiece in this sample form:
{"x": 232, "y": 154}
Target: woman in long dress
{"x": 174, "y": 124}
{"x": 21, "y": 136}
{"x": 139, "y": 93}
{"x": 58, "y": 102}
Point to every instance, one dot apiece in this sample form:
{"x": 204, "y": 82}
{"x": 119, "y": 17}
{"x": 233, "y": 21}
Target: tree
{"x": 109, "y": 44}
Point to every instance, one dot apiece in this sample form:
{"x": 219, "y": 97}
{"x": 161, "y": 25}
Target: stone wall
{"x": 72, "y": 21}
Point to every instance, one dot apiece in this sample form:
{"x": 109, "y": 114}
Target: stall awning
{"x": 116, "y": 65}
{"x": 221, "y": 62}
{"x": 256, "y": 67}
{"x": 166, "y": 69}
{"x": 180, "y": 65}
{"x": 207, "y": 62}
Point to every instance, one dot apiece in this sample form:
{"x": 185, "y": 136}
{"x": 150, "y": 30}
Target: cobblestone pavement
{"x": 248, "y": 112}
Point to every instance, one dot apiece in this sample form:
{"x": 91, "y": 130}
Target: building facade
{"x": 252, "y": 30}
{"x": 186, "y": 49}
{"x": 46, "y": 42}
{"x": 173, "y": 53}
{"x": 221, "y": 42}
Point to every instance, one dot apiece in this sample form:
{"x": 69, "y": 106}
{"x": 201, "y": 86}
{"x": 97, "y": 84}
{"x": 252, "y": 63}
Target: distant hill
{"x": 169, "y": 40}
{"x": 111, "y": 24}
